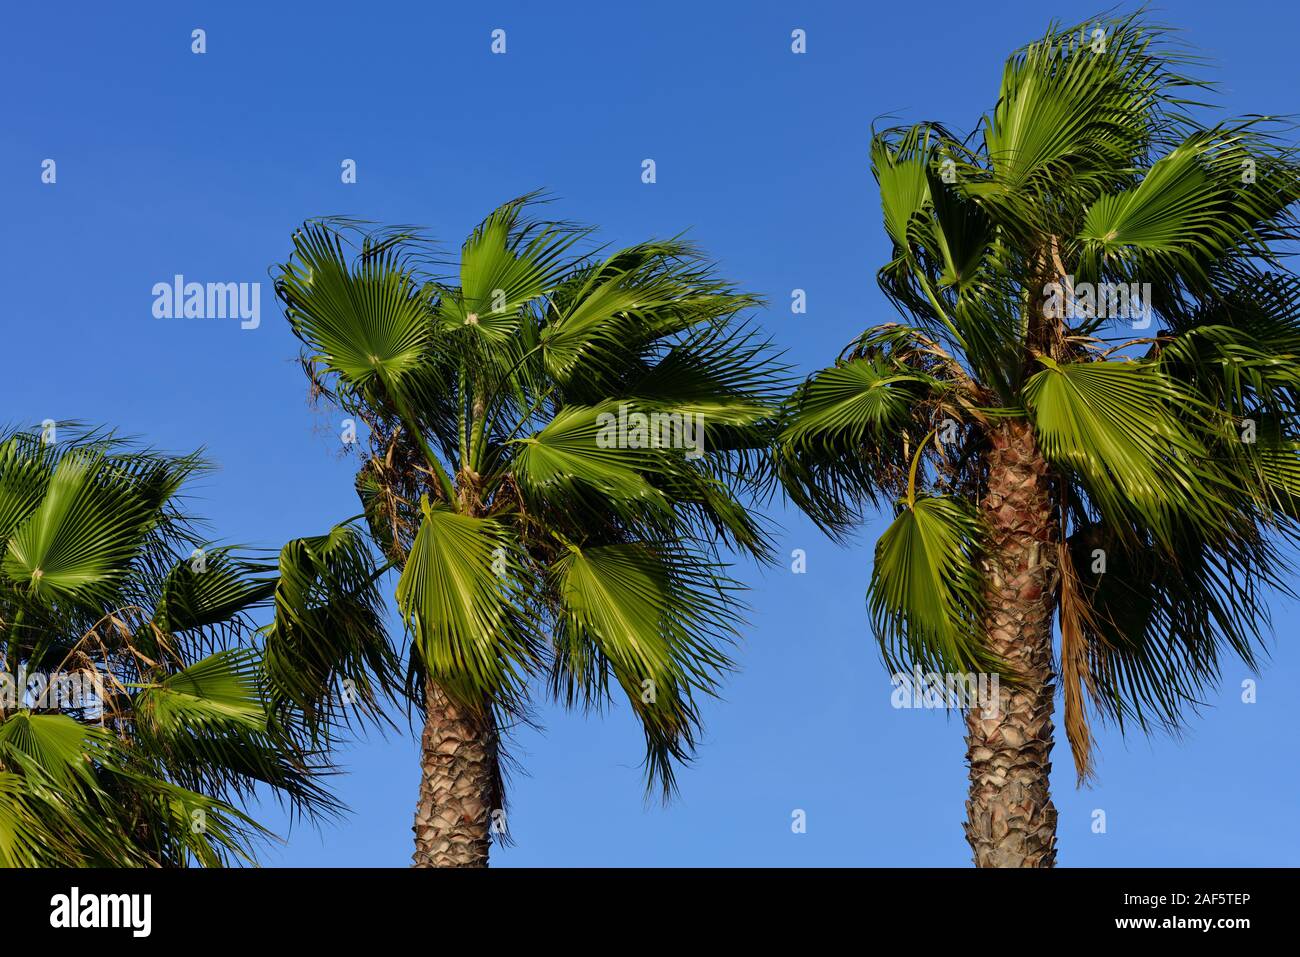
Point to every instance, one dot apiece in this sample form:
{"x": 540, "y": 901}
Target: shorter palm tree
{"x": 557, "y": 445}
{"x": 134, "y": 705}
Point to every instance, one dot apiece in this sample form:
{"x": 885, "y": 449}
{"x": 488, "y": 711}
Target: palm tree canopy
{"x": 1089, "y": 200}
{"x": 534, "y": 539}
{"x": 104, "y": 580}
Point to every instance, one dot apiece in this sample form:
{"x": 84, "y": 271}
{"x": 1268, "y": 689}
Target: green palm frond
{"x": 949, "y": 272}
{"x": 77, "y": 544}
{"x": 24, "y": 837}
{"x": 578, "y": 449}
{"x": 327, "y": 651}
{"x": 210, "y": 589}
{"x": 366, "y": 320}
{"x": 653, "y": 620}
{"x": 25, "y": 469}
{"x": 222, "y": 689}
{"x": 1216, "y": 192}
{"x": 601, "y": 316}
{"x": 212, "y": 720}
{"x": 1133, "y": 442}
{"x": 901, "y": 165}
{"x": 506, "y": 263}
{"x": 1076, "y": 112}
{"x": 845, "y": 434}
{"x": 860, "y": 402}
{"x": 926, "y": 596}
{"x": 459, "y": 597}
{"x": 55, "y": 743}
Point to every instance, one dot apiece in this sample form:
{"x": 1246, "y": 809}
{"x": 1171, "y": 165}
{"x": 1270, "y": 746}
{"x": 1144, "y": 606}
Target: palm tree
{"x": 134, "y": 706}
{"x": 1048, "y": 465}
{"x": 556, "y": 443}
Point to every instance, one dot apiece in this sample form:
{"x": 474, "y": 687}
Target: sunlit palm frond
{"x": 926, "y": 596}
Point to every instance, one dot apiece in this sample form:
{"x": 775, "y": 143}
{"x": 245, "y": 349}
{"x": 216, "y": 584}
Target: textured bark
{"x": 459, "y": 785}
{"x": 1010, "y": 820}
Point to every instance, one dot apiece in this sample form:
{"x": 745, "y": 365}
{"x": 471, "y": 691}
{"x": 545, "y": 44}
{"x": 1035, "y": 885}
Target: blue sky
{"x": 170, "y": 162}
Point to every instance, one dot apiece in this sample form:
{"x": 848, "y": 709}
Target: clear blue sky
{"x": 170, "y": 162}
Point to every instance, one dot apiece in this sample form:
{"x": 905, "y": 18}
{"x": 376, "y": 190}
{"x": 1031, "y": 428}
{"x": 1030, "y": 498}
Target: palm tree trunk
{"x": 1010, "y": 820}
{"x": 459, "y": 785}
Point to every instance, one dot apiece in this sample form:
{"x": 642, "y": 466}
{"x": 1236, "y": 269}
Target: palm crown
{"x": 557, "y": 439}
{"x": 136, "y": 709}
{"x": 1149, "y": 476}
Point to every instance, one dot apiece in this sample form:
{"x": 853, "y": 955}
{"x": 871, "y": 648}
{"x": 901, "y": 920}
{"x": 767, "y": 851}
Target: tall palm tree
{"x": 557, "y": 439}
{"x": 1051, "y": 460}
{"x": 134, "y": 705}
